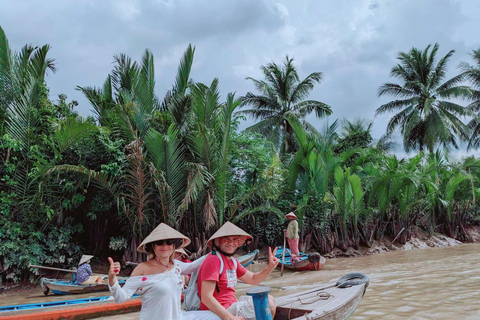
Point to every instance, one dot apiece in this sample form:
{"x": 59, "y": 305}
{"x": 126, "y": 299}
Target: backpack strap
{"x": 221, "y": 262}
{"x": 235, "y": 263}
{"x": 222, "y": 267}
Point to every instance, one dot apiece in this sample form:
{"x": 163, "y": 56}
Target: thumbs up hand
{"x": 113, "y": 271}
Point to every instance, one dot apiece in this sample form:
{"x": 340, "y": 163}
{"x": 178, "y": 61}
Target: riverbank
{"x": 420, "y": 239}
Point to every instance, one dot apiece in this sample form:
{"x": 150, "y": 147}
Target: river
{"x": 434, "y": 283}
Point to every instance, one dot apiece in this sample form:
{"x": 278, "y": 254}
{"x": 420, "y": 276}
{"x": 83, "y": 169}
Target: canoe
{"x": 58, "y": 286}
{"x": 328, "y": 302}
{"x": 43, "y": 305}
{"x": 308, "y": 261}
{"x": 69, "y": 309}
{"x": 247, "y": 259}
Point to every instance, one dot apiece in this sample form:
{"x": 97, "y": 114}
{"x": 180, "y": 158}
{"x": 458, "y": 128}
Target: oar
{"x": 283, "y": 253}
{"x": 51, "y": 268}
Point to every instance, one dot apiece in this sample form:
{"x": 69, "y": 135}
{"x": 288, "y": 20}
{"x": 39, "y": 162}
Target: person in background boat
{"x": 158, "y": 281}
{"x": 217, "y": 291}
{"x": 181, "y": 255}
{"x": 292, "y": 237}
{"x": 84, "y": 272}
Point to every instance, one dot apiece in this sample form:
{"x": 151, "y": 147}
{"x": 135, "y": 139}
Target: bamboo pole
{"x": 398, "y": 234}
{"x": 51, "y": 268}
{"x": 283, "y": 253}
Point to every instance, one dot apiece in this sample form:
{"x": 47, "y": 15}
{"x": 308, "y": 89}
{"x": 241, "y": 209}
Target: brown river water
{"x": 435, "y": 283}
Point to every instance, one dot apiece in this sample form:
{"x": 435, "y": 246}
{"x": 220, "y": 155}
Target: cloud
{"x": 354, "y": 43}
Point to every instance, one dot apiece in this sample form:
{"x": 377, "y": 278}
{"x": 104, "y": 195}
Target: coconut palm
{"x": 282, "y": 95}
{"x": 472, "y": 73}
{"x": 427, "y": 117}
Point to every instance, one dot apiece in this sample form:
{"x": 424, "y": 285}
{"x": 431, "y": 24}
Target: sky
{"x": 353, "y": 43}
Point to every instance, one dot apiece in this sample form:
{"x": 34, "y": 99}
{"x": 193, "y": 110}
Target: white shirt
{"x": 161, "y": 293}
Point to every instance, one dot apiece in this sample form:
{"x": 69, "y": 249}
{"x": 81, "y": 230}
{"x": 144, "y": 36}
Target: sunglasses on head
{"x": 169, "y": 242}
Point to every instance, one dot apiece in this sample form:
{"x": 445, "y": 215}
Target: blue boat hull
{"x": 62, "y": 287}
{"x": 308, "y": 261}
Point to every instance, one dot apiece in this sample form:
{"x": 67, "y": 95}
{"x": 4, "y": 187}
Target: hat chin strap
{"x": 216, "y": 248}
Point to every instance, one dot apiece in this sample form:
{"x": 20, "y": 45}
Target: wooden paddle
{"x": 283, "y": 253}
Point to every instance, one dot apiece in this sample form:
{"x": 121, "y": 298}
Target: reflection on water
{"x": 437, "y": 283}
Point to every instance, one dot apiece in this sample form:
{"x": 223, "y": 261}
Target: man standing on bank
{"x": 217, "y": 289}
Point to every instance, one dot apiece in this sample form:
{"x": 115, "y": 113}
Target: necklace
{"x": 166, "y": 266}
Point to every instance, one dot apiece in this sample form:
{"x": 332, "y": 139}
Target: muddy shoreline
{"x": 419, "y": 240}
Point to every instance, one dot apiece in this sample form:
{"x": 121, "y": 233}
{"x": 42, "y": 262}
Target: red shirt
{"x": 210, "y": 270}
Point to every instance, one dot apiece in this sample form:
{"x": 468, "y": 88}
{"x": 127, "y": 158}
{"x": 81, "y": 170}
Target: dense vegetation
{"x": 99, "y": 185}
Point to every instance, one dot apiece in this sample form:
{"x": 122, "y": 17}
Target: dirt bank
{"x": 420, "y": 239}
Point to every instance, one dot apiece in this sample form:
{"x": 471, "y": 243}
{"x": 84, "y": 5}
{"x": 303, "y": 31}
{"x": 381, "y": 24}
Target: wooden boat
{"x": 247, "y": 259}
{"x": 308, "y": 261}
{"x": 51, "y": 304}
{"x": 58, "y": 286}
{"x": 336, "y": 301}
{"x": 69, "y": 309}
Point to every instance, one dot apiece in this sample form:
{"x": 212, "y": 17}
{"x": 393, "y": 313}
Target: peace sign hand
{"x": 272, "y": 261}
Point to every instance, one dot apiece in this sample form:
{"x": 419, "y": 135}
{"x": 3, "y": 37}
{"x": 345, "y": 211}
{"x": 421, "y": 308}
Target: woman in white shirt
{"x": 158, "y": 281}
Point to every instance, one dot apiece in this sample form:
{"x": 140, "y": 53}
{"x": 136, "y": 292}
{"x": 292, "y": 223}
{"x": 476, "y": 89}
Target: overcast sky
{"x": 353, "y": 43}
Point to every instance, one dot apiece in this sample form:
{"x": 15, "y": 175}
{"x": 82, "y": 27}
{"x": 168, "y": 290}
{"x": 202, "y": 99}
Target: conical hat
{"x": 229, "y": 229}
{"x": 291, "y": 215}
{"x": 181, "y": 251}
{"x": 163, "y": 232}
{"x": 84, "y": 259}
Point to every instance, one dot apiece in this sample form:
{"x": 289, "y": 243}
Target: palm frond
{"x": 70, "y": 131}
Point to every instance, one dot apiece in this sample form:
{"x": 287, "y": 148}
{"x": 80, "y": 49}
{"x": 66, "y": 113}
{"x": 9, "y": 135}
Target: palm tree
{"x": 426, "y": 117}
{"x": 355, "y": 134}
{"x": 282, "y": 95}
{"x": 347, "y": 198}
{"x": 22, "y": 96}
{"x": 472, "y": 73}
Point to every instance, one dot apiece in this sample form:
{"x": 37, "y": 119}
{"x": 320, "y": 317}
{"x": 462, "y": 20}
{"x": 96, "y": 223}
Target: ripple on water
{"x": 440, "y": 283}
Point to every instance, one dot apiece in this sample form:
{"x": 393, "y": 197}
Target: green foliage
{"x": 21, "y": 245}
{"x": 249, "y": 155}
{"x": 117, "y": 243}
{"x": 356, "y": 135}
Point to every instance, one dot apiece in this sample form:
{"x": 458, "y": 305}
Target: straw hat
{"x": 163, "y": 232}
{"x": 84, "y": 259}
{"x": 229, "y": 229}
{"x": 291, "y": 215}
